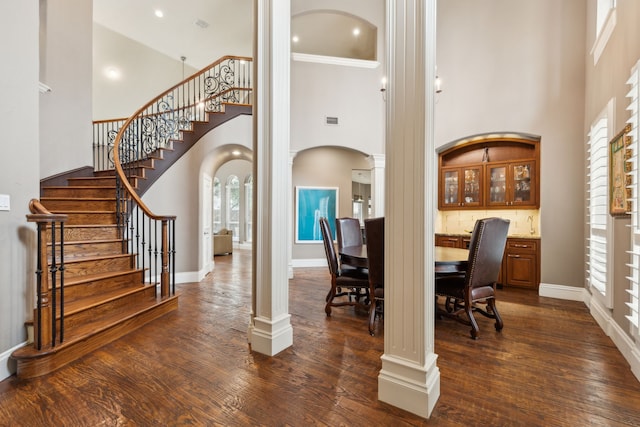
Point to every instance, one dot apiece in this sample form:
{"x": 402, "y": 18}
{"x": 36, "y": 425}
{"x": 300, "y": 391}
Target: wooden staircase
{"x": 109, "y": 289}
{"x": 104, "y": 293}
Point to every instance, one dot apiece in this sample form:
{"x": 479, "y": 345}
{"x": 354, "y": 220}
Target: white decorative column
{"x": 409, "y": 377}
{"x": 270, "y": 328}
{"x": 377, "y": 184}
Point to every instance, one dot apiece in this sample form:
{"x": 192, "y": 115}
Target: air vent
{"x": 331, "y": 120}
{"x": 200, "y": 23}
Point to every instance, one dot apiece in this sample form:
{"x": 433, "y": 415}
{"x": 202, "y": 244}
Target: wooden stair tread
{"x": 77, "y": 280}
{"x": 96, "y": 258}
{"x": 76, "y": 337}
{"x": 82, "y": 199}
{"x": 89, "y": 302}
{"x": 79, "y": 242}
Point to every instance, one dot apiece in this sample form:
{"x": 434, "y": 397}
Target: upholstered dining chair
{"x": 466, "y": 293}
{"x": 374, "y": 234}
{"x": 348, "y": 232}
{"x": 345, "y": 281}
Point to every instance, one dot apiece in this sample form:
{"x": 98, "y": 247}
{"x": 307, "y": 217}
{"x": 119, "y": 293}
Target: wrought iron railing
{"x": 149, "y": 131}
{"x": 48, "y": 322}
{"x": 153, "y": 127}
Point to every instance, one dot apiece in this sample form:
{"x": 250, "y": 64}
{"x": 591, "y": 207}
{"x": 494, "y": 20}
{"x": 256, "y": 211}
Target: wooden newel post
{"x": 43, "y": 315}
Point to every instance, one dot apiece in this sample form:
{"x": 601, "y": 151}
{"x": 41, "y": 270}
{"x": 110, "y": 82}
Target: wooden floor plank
{"x": 550, "y": 366}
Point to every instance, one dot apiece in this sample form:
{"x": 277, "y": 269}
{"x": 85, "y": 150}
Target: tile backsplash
{"x": 525, "y": 222}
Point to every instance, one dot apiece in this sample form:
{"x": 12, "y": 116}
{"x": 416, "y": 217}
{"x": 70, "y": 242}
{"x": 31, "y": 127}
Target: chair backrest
{"x": 348, "y": 232}
{"x": 374, "y": 233}
{"x": 486, "y": 251}
{"x": 329, "y": 249}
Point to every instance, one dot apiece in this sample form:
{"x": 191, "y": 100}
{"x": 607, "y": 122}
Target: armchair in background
{"x": 223, "y": 242}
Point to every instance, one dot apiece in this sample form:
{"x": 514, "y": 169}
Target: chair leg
{"x": 372, "y": 316}
{"x": 474, "y": 325}
{"x": 492, "y": 305}
{"x": 330, "y": 296}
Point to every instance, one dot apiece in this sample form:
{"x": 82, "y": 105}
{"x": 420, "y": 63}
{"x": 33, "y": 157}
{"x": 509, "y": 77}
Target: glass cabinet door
{"x": 451, "y": 187}
{"x": 497, "y": 185}
{"x": 472, "y": 191}
{"x": 521, "y": 178}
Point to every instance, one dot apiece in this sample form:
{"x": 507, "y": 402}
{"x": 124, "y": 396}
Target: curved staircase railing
{"x": 146, "y": 135}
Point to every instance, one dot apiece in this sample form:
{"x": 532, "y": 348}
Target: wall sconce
{"x": 438, "y": 84}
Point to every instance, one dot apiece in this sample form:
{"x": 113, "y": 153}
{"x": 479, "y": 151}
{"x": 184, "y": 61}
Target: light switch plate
{"x": 5, "y": 202}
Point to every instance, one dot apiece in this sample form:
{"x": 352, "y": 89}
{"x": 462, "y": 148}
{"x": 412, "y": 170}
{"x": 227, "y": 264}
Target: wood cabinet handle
{"x": 514, "y": 256}
{"x": 521, "y": 246}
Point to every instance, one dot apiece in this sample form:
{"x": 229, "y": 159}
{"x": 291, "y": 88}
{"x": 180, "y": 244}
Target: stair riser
{"x": 109, "y": 181}
{"x": 90, "y": 218}
{"x": 86, "y": 192}
{"x": 136, "y": 171}
{"x": 94, "y": 313}
{"x": 72, "y": 293}
{"x": 79, "y": 269}
{"x": 78, "y": 204}
{"x": 89, "y": 233}
{"x": 89, "y": 249}
{"x": 79, "y": 233}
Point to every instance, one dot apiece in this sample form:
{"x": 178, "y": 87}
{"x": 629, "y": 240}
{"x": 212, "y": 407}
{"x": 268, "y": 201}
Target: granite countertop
{"x": 511, "y": 236}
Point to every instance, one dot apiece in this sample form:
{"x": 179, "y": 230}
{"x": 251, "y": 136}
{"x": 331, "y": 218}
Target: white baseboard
{"x": 8, "y": 366}
{"x": 620, "y": 338}
{"x": 309, "y": 262}
{"x": 603, "y": 318}
{"x": 570, "y": 293}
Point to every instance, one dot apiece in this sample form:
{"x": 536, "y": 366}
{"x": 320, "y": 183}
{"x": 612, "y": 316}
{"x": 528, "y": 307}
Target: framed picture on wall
{"x": 312, "y": 203}
{"x": 618, "y": 168}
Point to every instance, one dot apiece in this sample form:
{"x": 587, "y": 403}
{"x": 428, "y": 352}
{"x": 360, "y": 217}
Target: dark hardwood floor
{"x": 550, "y": 366}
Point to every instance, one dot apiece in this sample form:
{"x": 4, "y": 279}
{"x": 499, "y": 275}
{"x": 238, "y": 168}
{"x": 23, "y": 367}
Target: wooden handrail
{"x": 116, "y": 151}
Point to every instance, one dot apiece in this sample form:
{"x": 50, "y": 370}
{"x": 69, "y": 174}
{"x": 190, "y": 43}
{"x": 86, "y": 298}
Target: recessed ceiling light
{"x": 159, "y": 13}
{"x": 356, "y": 32}
{"x": 295, "y": 39}
{"x": 112, "y": 73}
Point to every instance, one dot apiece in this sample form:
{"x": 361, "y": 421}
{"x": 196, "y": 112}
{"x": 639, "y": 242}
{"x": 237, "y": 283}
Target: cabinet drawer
{"x": 448, "y": 241}
{"x": 522, "y": 245}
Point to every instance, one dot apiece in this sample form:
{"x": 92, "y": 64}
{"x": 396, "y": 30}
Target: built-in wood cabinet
{"x": 462, "y": 186}
{"x": 520, "y": 263}
{"x": 491, "y": 173}
{"x": 512, "y": 184}
{"x": 451, "y": 241}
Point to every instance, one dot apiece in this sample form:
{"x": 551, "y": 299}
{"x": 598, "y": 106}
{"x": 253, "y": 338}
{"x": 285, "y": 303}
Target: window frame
{"x": 605, "y": 23}
{"x": 600, "y": 239}
{"x": 633, "y": 291}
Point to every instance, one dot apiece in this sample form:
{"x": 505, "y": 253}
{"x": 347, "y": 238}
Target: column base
{"x": 270, "y": 337}
{"x": 410, "y": 387}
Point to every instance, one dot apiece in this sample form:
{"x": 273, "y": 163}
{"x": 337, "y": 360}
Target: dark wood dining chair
{"x": 374, "y": 234}
{"x": 348, "y": 232}
{"x": 345, "y": 281}
{"x": 466, "y": 293}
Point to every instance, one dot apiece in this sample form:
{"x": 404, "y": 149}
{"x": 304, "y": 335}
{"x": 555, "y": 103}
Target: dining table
{"x": 447, "y": 260}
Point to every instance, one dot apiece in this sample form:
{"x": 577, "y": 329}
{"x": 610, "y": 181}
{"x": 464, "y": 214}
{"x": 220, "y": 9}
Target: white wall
{"x": 352, "y": 94}
{"x": 325, "y": 167}
{"x": 19, "y": 169}
{"x": 65, "y": 113}
{"x": 605, "y": 81}
{"x": 518, "y": 65}
{"x": 145, "y": 74}
{"x": 182, "y": 183}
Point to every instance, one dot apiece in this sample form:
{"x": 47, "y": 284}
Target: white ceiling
{"x": 229, "y": 30}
